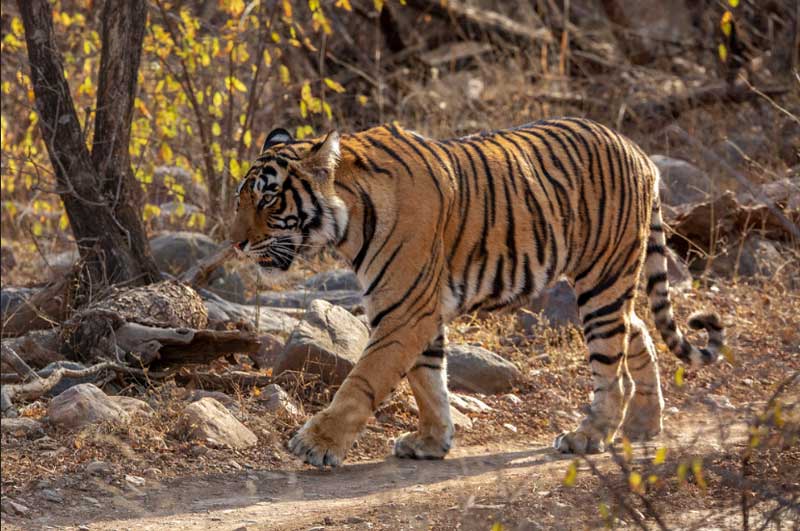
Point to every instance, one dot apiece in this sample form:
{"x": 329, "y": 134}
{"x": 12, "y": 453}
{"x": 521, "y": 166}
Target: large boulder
{"x": 86, "y": 404}
{"x": 681, "y": 182}
{"x": 176, "y": 252}
{"x": 209, "y": 422}
{"x": 350, "y": 300}
{"x": 270, "y": 320}
{"x": 477, "y": 370}
{"x": 328, "y": 342}
{"x": 334, "y": 280}
{"x": 752, "y": 257}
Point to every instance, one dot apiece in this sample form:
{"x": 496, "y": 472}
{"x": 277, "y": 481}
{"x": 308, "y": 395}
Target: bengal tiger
{"x": 438, "y": 228}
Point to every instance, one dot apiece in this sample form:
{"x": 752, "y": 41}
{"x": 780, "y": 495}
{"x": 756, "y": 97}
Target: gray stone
{"x": 460, "y": 420}
{"x": 753, "y": 257}
{"x": 226, "y": 400}
{"x": 334, "y": 280}
{"x": 350, "y": 300}
{"x": 681, "y": 182}
{"x": 557, "y": 304}
{"x": 86, "y": 404}
{"x": 61, "y": 263}
{"x": 279, "y": 403}
{"x": 468, "y": 404}
{"x": 477, "y": 370}
{"x": 328, "y": 342}
{"x": 176, "y": 252}
{"x": 52, "y": 496}
{"x": 744, "y": 145}
{"x": 208, "y": 421}
{"x": 269, "y": 349}
{"x": 270, "y": 320}
{"x": 512, "y": 399}
{"x": 98, "y": 468}
{"x": 22, "y": 427}
{"x": 7, "y": 259}
{"x": 10, "y": 506}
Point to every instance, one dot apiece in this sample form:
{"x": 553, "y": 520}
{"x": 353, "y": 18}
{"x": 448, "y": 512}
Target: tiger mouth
{"x": 273, "y": 253}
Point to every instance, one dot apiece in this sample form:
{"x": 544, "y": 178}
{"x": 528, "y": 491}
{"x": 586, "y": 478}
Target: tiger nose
{"x": 241, "y": 245}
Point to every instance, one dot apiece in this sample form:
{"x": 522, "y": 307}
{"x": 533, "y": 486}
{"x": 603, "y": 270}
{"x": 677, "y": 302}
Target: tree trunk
{"x": 99, "y": 192}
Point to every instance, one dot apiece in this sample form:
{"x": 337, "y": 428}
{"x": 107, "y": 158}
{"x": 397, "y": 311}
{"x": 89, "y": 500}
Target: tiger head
{"x": 286, "y": 204}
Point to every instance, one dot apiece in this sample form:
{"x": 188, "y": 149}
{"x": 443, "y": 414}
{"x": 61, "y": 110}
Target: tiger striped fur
{"x": 434, "y": 229}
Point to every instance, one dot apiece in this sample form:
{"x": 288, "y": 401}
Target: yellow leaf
{"x": 344, "y": 4}
{"x": 627, "y": 449}
{"x": 723, "y": 52}
{"x": 697, "y": 470}
{"x": 166, "y": 153}
{"x": 247, "y": 138}
{"x": 37, "y": 228}
{"x": 284, "y": 73}
{"x": 63, "y": 222}
{"x": 267, "y": 58}
{"x": 275, "y": 37}
{"x": 682, "y": 469}
{"x": 217, "y": 99}
{"x": 572, "y": 473}
{"x": 238, "y": 85}
{"x": 635, "y": 480}
{"x": 256, "y": 392}
{"x": 652, "y": 479}
{"x": 236, "y": 169}
{"x": 150, "y": 211}
{"x": 216, "y": 129}
{"x": 327, "y": 109}
{"x": 497, "y": 526}
{"x": 679, "y": 376}
{"x": 378, "y": 5}
{"x": 87, "y": 47}
{"x": 287, "y": 8}
{"x": 362, "y": 99}
{"x": 733, "y": 3}
{"x": 333, "y": 85}
{"x": 661, "y": 455}
{"x": 726, "y": 23}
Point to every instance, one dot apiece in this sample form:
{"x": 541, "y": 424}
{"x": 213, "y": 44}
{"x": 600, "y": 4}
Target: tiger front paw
{"x": 416, "y": 446}
{"x": 581, "y": 441}
{"x": 320, "y": 442}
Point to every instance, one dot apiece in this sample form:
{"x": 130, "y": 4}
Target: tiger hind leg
{"x": 606, "y": 327}
{"x": 643, "y": 419}
{"x": 428, "y": 380}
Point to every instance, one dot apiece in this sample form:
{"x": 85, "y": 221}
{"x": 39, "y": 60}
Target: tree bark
{"x": 98, "y": 189}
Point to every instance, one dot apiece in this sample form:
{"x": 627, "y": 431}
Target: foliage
{"x": 211, "y": 85}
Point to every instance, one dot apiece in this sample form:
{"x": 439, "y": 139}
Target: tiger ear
{"x": 322, "y": 158}
{"x": 276, "y": 136}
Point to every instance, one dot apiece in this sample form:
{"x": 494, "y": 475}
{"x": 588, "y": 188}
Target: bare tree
{"x": 100, "y": 194}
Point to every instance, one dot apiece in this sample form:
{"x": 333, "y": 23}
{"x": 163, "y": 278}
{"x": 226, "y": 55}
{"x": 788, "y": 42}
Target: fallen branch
{"x": 37, "y": 348}
{"x": 42, "y": 310}
{"x": 478, "y": 21}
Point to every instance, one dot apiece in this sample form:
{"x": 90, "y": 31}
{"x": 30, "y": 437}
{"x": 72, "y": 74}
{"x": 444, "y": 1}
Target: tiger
{"x": 434, "y": 229}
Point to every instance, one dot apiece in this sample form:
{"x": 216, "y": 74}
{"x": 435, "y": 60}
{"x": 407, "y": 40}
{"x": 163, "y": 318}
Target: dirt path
{"x": 472, "y": 488}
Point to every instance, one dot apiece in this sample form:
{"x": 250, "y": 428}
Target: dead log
{"x": 37, "y": 348}
{"x": 476, "y": 22}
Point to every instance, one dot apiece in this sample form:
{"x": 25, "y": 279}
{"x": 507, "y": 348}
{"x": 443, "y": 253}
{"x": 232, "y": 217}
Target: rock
{"x": 98, "y": 468}
{"x": 744, "y": 145}
{"x": 719, "y": 402}
{"x": 208, "y": 421}
{"x": 557, "y": 303}
{"x": 61, "y": 263}
{"x": 52, "y": 496}
{"x": 86, "y": 404}
{"x": 681, "y": 182}
{"x": 22, "y": 427}
{"x": 784, "y": 193}
{"x": 512, "y": 399}
{"x": 270, "y": 320}
{"x": 352, "y": 301}
{"x": 328, "y": 342}
{"x": 468, "y": 404}
{"x": 460, "y": 420}
{"x": 476, "y": 370}
{"x": 226, "y": 400}
{"x": 9, "y": 506}
{"x": 271, "y": 347}
{"x": 334, "y": 280}
{"x": 136, "y": 481}
{"x": 176, "y": 252}
{"x": 12, "y": 297}
{"x": 65, "y": 383}
{"x": 279, "y": 403}
{"x": 753, "y": 257}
